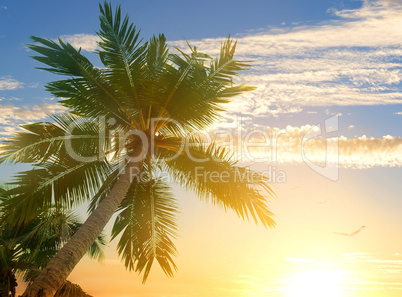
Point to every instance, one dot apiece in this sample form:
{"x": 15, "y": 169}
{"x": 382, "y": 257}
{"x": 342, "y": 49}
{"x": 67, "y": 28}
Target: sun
{"x": 316, "y": 283}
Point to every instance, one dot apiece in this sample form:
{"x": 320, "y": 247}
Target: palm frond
{"x": 38, "y": 143}
{"x": 200, "y": 90}
{"x": 45, "y": 235}
{"x": 29, "y": 247}
{"x": 224, "y": 67}
{"x": 212, "y": 174}
{"x": 63, "y": 184}
{"x": 4, "y": 259}
{"x": 235, "y": 90}
{"x": 147, "y": 224}
{"x": 104, "y": 190}
{"x": 42, "y": 142}
{"x": 121, "y": 52}
{"x": 157, "y": 55}
{"x": 89, "y": 91}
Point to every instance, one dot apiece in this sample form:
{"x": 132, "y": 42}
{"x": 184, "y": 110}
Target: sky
{"x": 324, "y": 124}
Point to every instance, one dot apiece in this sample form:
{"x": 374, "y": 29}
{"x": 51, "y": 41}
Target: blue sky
{"x": 271, "y": 21}
{"x": 314, "y": 60}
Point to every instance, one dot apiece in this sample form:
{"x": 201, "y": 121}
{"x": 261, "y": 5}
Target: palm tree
{"x": 127, "y": 123}
{"x": 26, "y": 249}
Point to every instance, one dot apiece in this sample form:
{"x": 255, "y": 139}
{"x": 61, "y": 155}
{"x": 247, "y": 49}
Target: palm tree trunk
{"x": 58, "y": 269}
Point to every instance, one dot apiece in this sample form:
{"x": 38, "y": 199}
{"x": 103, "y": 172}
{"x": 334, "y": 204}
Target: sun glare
{"x": 316, "y": 283}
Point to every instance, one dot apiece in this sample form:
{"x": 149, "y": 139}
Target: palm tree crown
{"x": 135, "y": 112}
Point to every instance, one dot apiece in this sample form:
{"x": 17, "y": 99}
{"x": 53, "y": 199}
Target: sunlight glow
{"x": 316, "y": 283}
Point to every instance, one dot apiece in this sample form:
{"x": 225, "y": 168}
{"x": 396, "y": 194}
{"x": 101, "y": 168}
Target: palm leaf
{"x": 147, "y": 224}
{"x": 42, "y": 237}
{"x": 104, "y": 190}
{"x": 212, "y": 173}
{"x": 224, "y": 67}
{"x": 4, "y": 259}
{"x": 89, "y": 91}
{"x": 196, "y": 99}
{"x": 30, "y": 247}
{"x": 42, "y": 142}
{"x": 121, "y": 52}
{"x": 64, "y": 184}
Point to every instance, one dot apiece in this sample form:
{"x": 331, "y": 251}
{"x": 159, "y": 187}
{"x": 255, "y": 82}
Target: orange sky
{"x": 220, "y": 255}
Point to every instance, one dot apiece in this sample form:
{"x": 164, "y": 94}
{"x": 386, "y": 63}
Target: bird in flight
{"x": 351, "y": 234}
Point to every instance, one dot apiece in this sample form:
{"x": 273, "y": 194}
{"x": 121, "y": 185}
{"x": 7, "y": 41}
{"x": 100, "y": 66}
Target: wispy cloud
{"x": 87, "y": 42}
{"x": 385, "y": 267}
{"x": 398, "y": 113}
{"x": 10, "y": 99}
{"x": 361, "y": 274}
{"x": 11, "y": 115}
{"x": 8, "y": 83}
{"x": 291, "y": 146}
{"x": 354, "y": 60}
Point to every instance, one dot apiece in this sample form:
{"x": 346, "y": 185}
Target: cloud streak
{"x": 8, "y": 83}
{"x": 292, "y": 145}
{"x": 354, "y": 60}
{"x": 361, "y": 275}
{"x": 87, "y": 42}
{"x": 11, "y": 115}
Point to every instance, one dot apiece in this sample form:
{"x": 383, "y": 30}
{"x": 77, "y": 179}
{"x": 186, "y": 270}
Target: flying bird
{"x": 351, "y": 234}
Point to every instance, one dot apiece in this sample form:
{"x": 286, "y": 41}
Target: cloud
{"x": 8, "y": 130}
{"x": 365, "y": 274}
{"x": 11, "y": 115}
{"x": 373, "y": 25}
{"x": 398, "y": 113}
{"x": 386, "y": 265}
{"x": 8, "y": 83}
{"x": 10, "y": 99}
{"x": 354, "y": 60}
{"x": 292, "y": 145}
{"x": 361, "y": 275}
{"x": 87, "y": 42}
{"x": 360, "y": 152}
